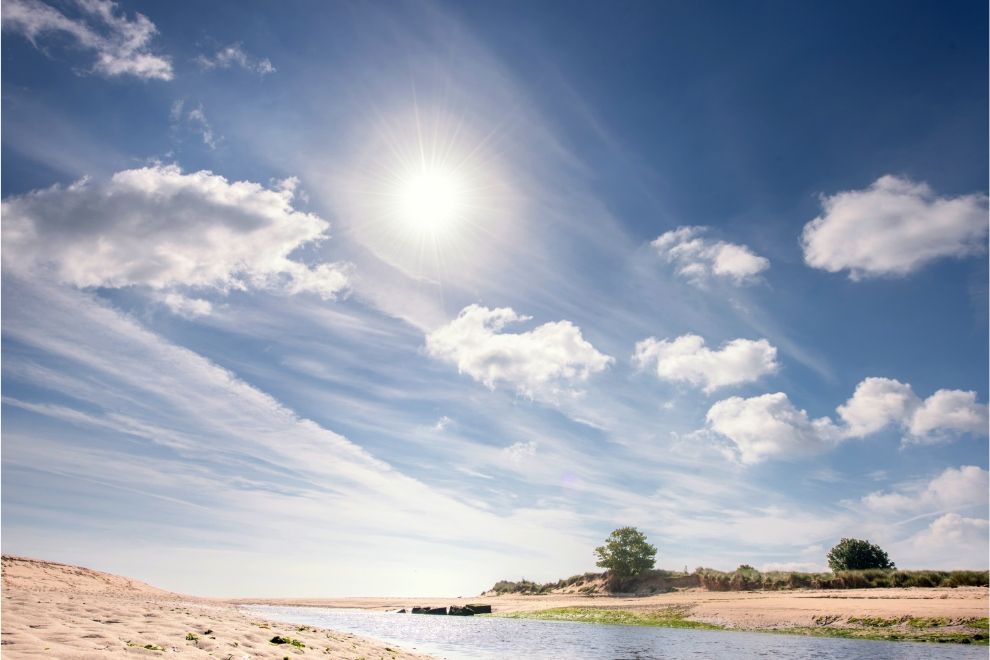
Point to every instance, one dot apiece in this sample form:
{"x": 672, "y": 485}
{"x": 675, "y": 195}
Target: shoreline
{"x": 893, "y": 614}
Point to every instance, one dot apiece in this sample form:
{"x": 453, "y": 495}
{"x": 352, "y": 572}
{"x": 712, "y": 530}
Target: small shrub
{"x": 278, "y": 639}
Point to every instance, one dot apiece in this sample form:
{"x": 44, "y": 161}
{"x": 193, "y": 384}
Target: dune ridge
{"x": 56, "y": 610}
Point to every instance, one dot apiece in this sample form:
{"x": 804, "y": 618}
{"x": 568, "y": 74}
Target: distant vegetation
{"x": 747, "y": 578}
{"x": 529, "y": 587}
{"x": 629, "y": 558}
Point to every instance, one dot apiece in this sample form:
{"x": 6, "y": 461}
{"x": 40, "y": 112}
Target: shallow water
{"x": 486, "y": 638}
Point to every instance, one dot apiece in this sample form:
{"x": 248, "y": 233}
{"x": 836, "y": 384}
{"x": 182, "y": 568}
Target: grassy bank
{"x": 937, "y": 630}
{"x": 668, "y": 617}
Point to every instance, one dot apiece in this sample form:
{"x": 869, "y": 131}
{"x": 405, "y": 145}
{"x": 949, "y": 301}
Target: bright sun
{"x": 430, "y": 201}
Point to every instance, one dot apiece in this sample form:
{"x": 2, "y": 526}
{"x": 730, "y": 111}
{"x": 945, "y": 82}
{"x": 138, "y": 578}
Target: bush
{"x": 857, "y": 555}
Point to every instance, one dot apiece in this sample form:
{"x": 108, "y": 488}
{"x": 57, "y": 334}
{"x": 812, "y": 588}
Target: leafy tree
{"x": 626, "y": 553}
{"x": 857, "y": 555}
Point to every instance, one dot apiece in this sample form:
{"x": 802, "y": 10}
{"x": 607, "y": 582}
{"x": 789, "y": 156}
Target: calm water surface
{"x": 484, "y": 638}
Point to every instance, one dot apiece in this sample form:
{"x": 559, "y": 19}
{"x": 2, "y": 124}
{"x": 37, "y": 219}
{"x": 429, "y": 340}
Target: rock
{"x": 402, "y": 611}
{"x": 479, "y": 609}
{"x": 429, "y": 610}
{"x": 453, "y": 610}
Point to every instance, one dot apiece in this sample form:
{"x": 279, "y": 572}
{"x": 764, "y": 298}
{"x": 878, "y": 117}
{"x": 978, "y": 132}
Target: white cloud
{"x": 876, "y": 403}
{"x": 950, "y": 542}
{"x": 769, "y": 426}
{"x": 158, "y": 227}
{"x": 698, "y": 259}
{"x": 949, "y": 411}
{"x": 543, "y": 360}
{"x": 187, "y": 307}
{"x": 880, "y": 402}
{"x": 955, "y": 488}
{"x": 894, "y": 227}
{"x": 234, "y": 55}
{"x": 121, "y": 44}
{"x": 442, "y": 423}
{"x": 687, "y": 359}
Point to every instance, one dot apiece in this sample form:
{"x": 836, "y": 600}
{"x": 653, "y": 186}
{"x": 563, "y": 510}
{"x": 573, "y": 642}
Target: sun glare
{"x": 428, "y": 194}
{"x": 430, "y": 201}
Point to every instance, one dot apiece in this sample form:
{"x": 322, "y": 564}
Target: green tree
{"x": 626, "y": 553}
{"x": 857, "y": 555}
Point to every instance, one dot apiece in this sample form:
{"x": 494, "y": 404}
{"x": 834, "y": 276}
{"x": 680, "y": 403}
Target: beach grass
{"x": 912, "y": 629}
{"x": 668, "y": 617}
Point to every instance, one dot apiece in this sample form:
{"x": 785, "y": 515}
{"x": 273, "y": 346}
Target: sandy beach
{"x": 58, "y": 611}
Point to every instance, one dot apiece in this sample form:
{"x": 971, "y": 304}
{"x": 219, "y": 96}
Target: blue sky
{"x": 414, "y": 297}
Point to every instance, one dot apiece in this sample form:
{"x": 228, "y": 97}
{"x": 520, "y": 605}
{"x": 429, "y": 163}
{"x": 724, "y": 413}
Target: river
{"x": 490, "y": 638}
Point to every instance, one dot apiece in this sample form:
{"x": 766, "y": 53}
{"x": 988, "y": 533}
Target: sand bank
{"x": 57, "y": 611}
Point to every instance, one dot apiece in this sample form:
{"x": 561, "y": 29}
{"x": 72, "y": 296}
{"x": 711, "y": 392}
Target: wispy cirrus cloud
{"x": 121, "y": 45}
{"x": 195, "y": 121}
{"x": 225, "y": 453}
{"x": 235, "y": 55}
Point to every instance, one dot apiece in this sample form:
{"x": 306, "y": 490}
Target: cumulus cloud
{"x": 880, "y": 402}
{"x": 954, "y": 411}
{"x": 698, "y": 259}
{"x": 951, "y": 541}
{"x": 122, "y": 45}
{"x": 161, "y": 228}
{"x": 955, "y": 488}
{"x": 687, "y": 359}
{"x": 545, "y": 360}
{"x": 768, "y": 426}
{"x": 234, "y": 55}
{"x": 876, "y": 403}
{"x": 894, "y": 227}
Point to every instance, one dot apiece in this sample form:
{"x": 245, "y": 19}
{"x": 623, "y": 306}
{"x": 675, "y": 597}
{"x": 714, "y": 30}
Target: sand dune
{"x": 57, "y": 611}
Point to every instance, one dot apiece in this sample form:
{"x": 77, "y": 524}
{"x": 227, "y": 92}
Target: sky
{"x": 326, "y": 299}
